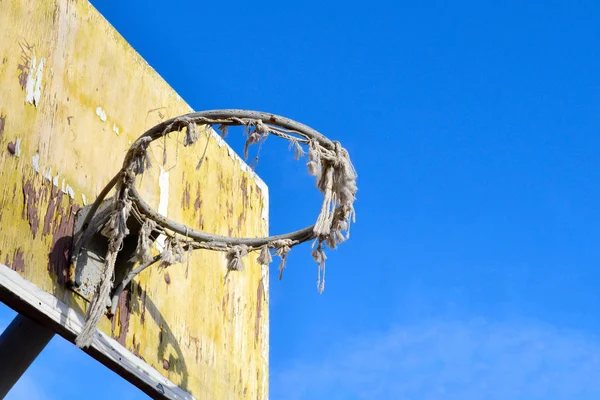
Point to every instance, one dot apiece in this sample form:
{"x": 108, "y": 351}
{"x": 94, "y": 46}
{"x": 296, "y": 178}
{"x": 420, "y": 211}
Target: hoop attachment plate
{"x": 88, "y": 260}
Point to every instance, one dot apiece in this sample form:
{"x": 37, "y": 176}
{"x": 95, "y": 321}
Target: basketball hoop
{"x": 328, "y": 161}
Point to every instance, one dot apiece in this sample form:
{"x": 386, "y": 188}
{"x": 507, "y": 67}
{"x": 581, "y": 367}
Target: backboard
{"x": 73, "y": 97}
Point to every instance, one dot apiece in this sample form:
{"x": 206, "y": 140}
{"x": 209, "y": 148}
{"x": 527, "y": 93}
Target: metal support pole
{"x": 20, "y": 343}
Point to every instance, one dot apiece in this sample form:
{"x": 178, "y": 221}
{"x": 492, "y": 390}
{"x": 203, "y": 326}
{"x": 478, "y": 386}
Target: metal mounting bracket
{"x": 90, "y": 247}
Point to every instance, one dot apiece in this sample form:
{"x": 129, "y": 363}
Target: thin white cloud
{"x": 452, "y": 360}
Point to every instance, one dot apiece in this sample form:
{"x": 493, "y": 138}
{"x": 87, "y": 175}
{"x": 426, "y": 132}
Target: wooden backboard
{"x": 73, "y": 97}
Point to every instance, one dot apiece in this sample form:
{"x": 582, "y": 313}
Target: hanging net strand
{"x": 115, "y": 230}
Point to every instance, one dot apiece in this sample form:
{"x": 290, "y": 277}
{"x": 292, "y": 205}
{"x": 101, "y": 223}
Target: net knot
{"x": 283, "y": 247}
{"x": 142, "y": 251}
{"x": 234, "y": 257}
{"x": 191, "y": 133}
{"x": 265, "y": 257}
{"x": 137, "y": 159}
{"x": 173, "y": 253}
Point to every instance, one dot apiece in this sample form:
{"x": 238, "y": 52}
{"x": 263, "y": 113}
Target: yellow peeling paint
{"x": 205, "y": 333}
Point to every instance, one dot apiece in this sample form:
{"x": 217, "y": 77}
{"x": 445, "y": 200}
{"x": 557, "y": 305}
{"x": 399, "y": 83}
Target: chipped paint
{"x": 70, "y": 192}
{"x": 84, "y": 199}
{"x": 121, "y": 319}
{"x": 18, "y": 263}
{"x": 62, "y": 239}
{"x": 116, "y": 129}
{"x": 24, "y": 64}
{"x": 2, "y": 124}
{"x": 260, "y": 292}
{"x": 101, "y": 113}
{"x": 17, "y": 152}
{"x": 49, "y": 218}
{"x": 31, "y": 198}
{"x": 35, "y": 162}
{"x": 48, "y": 174}
{"x": 185, "y": 197}
{"x": 264, "y": 192}
{"x": 33, "y": 88}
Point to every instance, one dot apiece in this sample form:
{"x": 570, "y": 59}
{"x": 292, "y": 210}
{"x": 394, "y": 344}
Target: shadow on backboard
{"x": 140, "y": 303}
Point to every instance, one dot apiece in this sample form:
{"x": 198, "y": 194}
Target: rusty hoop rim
{"x": 205, "y": 117}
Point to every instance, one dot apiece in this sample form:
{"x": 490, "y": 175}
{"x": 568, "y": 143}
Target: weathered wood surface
{"x": 73, "y": 96}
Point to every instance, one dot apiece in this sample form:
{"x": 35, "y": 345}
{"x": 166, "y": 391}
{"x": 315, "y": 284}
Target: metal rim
{"x": 213, "y": 117}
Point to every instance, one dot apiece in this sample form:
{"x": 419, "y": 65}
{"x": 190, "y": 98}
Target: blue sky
{"x": 473, "y": 268}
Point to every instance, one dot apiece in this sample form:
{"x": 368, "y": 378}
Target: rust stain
{"x": 229, "y": 208}
{"x": 245, "y": 206}
{"x": 55, "y": 13}
{"x": 62, "y": 240}
{"x": 198, "y": 206}
{"x": 31, "y": 199}
{"x": 123, "y": 320}
{"x": 52, "y": 204}
{"x": 225, "y": 304}
{"x": 185, "y": 198}
{"x": 24, "y": 65}
{"x": 260, "y": 291}
{"x": 136, "y": 348}
{"x": 221, "y": 183}
{"x": 240, "y": 223}
{"x": 244, "y": 187}
{"x": 197, "y": 345}
{"x": 2, "y": 124}
{"x": 18, "y": 263}
{"x": 198, "y": 202}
